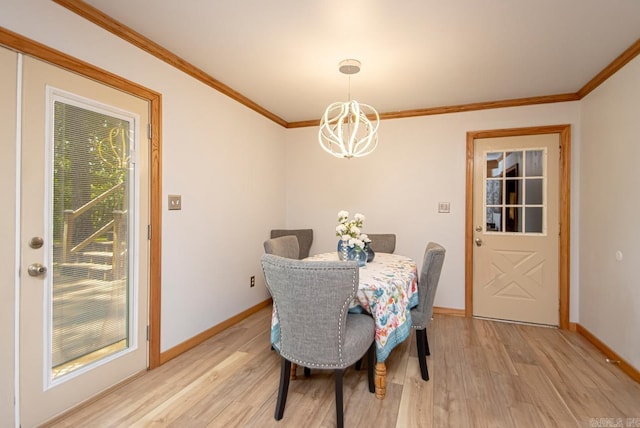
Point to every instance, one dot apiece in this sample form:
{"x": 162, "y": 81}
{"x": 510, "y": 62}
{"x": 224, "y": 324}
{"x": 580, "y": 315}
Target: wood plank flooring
{"x": 483, "y": 374}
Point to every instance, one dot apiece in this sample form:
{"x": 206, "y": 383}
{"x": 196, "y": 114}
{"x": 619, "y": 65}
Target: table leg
{"x": 381, "y": 380}
{"x": 294, "y": 367}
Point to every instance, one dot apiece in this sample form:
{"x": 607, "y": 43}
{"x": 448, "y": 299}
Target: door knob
{"x": 36, "y": 269}
{"x": 478, "y": 228}
{"x": 478, "y": 242}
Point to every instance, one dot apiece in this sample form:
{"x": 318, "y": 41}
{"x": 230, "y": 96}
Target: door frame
{"x": 564, "y": 134}
{"x": 37, "y": 50}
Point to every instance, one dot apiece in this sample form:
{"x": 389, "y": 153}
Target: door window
{"x": 515, "y": 191}
{"x": 91, "y": 191}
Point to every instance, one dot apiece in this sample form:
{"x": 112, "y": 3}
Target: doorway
{"x": 84, "y": 253}
{"x": 505, "y": 215}
{"x": 18, "y": 46}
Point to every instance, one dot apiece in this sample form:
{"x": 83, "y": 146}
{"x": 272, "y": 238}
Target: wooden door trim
{"x": 37, "y": 50}
{"x": 564, "y": 132}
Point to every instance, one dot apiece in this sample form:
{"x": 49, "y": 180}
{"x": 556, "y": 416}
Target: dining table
{"x": 387, "y": 289}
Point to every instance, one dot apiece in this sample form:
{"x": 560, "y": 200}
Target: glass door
{"x": 84, "y": 210}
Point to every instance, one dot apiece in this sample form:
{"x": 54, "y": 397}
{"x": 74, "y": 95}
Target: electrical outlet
{"x": 253, "y": 281}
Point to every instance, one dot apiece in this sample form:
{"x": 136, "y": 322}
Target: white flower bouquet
{"x": 350, "y": 231}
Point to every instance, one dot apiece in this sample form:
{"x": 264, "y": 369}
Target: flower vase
{"x": 370, "y": 253}
{"x": 358, "y": 254}
{"x": 343, "y": 249}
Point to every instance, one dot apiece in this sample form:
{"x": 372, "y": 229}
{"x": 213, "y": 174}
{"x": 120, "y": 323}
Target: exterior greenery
{"x": 91, "y": 156}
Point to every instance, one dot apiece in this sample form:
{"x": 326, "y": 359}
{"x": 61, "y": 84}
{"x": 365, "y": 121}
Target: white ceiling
{"x": 284, "y": 54}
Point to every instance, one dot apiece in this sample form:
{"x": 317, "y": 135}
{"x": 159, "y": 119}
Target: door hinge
{"x": 560, "y": 155}
{"x": 149, "y": 232}
{"x": 149, "y": 131}
{"x": 147, "y": 333}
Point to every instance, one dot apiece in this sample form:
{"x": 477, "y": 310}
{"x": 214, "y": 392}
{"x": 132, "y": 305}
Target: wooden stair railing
{"x": 116, "y": 225}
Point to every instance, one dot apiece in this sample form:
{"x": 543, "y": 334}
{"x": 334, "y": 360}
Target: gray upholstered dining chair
{"x": 284, "y": 246}
{"x": 305, "y": 239}
{"x": 421, "y": 314}
{"x": 311, "y": 299}
{"x": 382, "y": 242}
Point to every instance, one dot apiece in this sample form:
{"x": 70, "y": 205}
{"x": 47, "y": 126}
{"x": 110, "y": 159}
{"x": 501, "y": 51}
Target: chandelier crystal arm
{"x": 362, "y": 146}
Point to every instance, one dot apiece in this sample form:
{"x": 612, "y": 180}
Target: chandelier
{"x": 345, "y": 128}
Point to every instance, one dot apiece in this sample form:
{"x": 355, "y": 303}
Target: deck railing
{"x": 116, "y": 225}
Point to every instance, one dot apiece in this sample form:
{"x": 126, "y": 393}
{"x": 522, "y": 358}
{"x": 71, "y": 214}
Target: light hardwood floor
{"x": 483, "y": 374}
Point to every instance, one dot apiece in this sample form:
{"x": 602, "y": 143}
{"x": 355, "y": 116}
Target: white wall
{"x": 227, "y": 163}
{"x": 418, "y": 163}
{"x": 610, "y": 288}
{"x": 224, "y": 159}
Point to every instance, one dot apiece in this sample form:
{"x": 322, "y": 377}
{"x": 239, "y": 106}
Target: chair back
{"x": 284, "y": 246}
{"x": 428, "y": 282}
{"x": 312, "y": 300}
{"x": 305, "y": 239}
{"x": 383, "y": 242}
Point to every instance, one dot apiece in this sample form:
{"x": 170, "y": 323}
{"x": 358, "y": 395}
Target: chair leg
{"x": 359, "y": 364}
{"x": 371, "y": 362}
{"x": 426, "y": 342}
{"x": 422, "y": 357}
{"x": 307, "y": 372}
{"x": 339, "y": 411}
{"x": 285, "y": 370}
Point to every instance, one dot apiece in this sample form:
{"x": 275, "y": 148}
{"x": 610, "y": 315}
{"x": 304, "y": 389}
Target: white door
{"x": 83, "y": 247}
{"x": 8, "y": 61}
{"x": 516, "y": 228}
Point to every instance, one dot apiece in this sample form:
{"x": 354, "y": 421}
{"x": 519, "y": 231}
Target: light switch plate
{"x": 175, "y": 202}
{"x": 443, "y": 207}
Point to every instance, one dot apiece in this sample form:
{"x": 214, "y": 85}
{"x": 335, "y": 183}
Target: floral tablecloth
{"x": 388, "y": 289}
